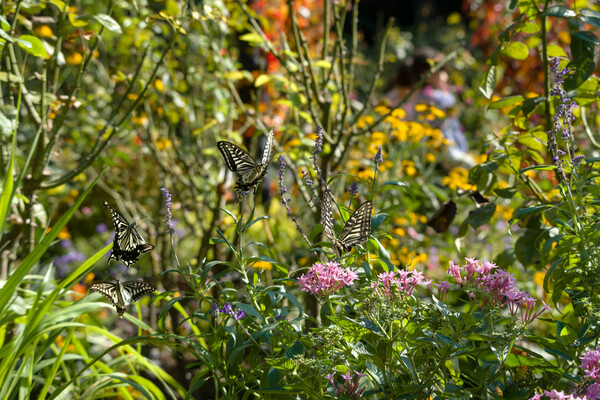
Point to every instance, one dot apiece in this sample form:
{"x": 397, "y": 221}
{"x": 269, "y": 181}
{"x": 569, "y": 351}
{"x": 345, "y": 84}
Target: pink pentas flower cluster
{"x": 401, "y": 282}
{"x": 498, "y": 285}
{"x": 325, "y": 279}
{"x": 590, "y": 362}
{"x": 350, "y": 390}
{"x": 556, "y": 395}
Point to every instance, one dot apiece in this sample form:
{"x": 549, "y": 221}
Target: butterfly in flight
{"x": 122, "y": 294}
{"x": 356, "y": 230}
{"x": 250, "y": 173}
{"x": 441, "y": 220}
{"x": 128, "y": 244}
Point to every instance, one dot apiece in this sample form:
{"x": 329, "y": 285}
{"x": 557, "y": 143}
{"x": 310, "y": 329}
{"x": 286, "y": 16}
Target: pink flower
{"x": 324, "y": 279}
{"x": 401, "y": 281}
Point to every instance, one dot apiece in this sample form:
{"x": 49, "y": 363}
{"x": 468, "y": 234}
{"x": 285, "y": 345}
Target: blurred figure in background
{"x": 435, "y": 92}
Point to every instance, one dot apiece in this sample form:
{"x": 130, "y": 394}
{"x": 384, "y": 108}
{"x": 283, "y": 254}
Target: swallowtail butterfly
{"x": 250, "y": 173}
{"x": 122, "y": 294}
{"x": 128, "y": 244}
{"x": 356, "y": 230}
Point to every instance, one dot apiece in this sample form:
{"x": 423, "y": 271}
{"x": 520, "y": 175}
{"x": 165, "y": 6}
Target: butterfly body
{"x": 356, "y": 230}
{"x": 250, "y": 173}
{"x": 122, "y": 294}
{"x": 128, "y": 244}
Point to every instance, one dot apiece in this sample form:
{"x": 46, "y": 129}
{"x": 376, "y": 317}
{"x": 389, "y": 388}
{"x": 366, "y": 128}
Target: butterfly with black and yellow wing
{"x": 250, "y": 173}
{"x": 356, "y": 230}
{"x": 122, "y": 294}
{"x": 128, "y": 244}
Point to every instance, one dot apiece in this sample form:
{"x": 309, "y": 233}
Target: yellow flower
{"x": 538, "y": 278}
{"x": 382, "y": 110}
{"x": 401, "y": 221}
{"x": 89, "y": 277}
{"x": 408, "y": 167}
{"x": 43, "y": 31}
{"x": 265, "y": 265}
{"x": 366, "y": 174}
{"x": 364, "y": 121}
{"x": 399, "y": 231}
{"x": 292, "y": 143}
{"x": 132, "y": 96}
{"x": 458, "y": 177}
{"x": 399, "y": 113}
{"x": 64, "y": 234}
{"x": 163, "y": 143}
{"x": 140, "y": 119}
{"x": 74, "y": 58}
{"x": 430, "y": 157}
{"x": 378, "y": 139}
{"x": 385, "y": 165}
{"x": 159, "y": 85}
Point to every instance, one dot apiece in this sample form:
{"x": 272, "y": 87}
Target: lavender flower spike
{"x": 378, "y": 157}
{"x": 353, "y": 189}
{"x": 168, "y": 203}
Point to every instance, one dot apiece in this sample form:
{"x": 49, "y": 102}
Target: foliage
{"x": 127, "y": 101}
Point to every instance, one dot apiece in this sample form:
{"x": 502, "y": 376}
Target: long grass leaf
{"x": 19, "y": 273}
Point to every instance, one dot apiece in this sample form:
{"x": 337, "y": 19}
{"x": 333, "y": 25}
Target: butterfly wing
{"x": 112, "y": 292}
{"x": 358, "y": 226}
{"x": 442, "y": 219}
{"x": 237, "y": 159}
{"x": 266, "y": 157}
{"x": 128, "y": 244}
{"x": 134, "y": 290}
{"x": 327, "y": 216}
{"x": 250, "y": 174}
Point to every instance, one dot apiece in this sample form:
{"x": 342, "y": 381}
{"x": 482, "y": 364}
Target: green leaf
{"x": 249, "y": 310}
{"x": 108, "y": 22}
{"x": 584, "y": 68}
{"x": 556, "y": 51}
{"x": 507, "y": 101}
{"x": 261, "y": 80}
{"x": 252, "y": 38}
{"x": 591, "y": 17}
{"x": 559, "y": 11}
{"x": 489, "y": 83}
{"x": 516, "y": 50}
{"x": 4, "y": 35}
{"x": 538, "y": 167}
{"x": 481, "y": 216}
{"x": 32, "y": 45}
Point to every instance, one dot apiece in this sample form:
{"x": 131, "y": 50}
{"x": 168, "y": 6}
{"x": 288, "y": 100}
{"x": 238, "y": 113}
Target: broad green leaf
{"x": 32, "y": 45}
{"x": 252, "y": 38}
{"x": 584, "y": 68}
{"x": 556, "y": 51}
{"x": 4, "y": 35}
{"x": 507, "y": 101}
{"x": 559, "y": 11}
{"x": 262, "y": 79}
{"x": 591, "y": 17}
{"x": 489, "y": 83}
{"x": 108, "y": 22}
{"x": 516, "y": 50}
{"x": 481, "y": 216}
{"x": 78, "y": 22}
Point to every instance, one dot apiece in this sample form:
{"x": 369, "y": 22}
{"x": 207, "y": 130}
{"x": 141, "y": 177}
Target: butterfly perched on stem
{"x": 250, "y": 173}
{"x": 122, "y": 294}
{"x": 356, "y": 230}
{"x": 128, "y": 244}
